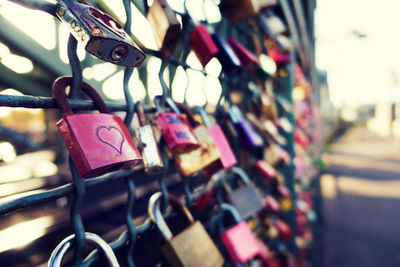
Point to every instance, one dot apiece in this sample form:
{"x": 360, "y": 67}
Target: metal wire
{"x": 76, "y": 68}
{"x": 76, "y": 218}
{"x": 128, "y": 121}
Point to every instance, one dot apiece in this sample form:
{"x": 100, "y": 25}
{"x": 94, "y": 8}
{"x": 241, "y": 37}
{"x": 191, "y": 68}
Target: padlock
{"x": 246, "y": 197}
{"x": 284, "y": 230}
{"x": 239, "y": 240}
{"x": 274, "y": 22}
{"x": 271, "y": 204}
{"x": 246, "y": 131}
{"x": 229, "y": 61}
{"x": 266, "y": 128}
{"x": 102, "y": 36}
{"x": 300, "y": 137}
{"x": 238, "y": 10}
{"x": 206, "y": 157}
{"x": 152, "y": 161}
{"x": 202, "y": 44}
{"x": 165, "y": 25}
{"x": 248, "y": 60}
{"x": 59, "y": 252}
{"x": 275, "y": 155}
{"x": 280, "y": 57}
{"x": 191, "y": 247}
{"x": 265, "y": 253}
{"x": 265, "y": 169}
{"x": 227, "y": 159}
{"x": 176, "y": 130}
{"x": 98, "y": 143}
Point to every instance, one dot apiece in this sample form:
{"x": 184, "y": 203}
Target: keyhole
{"x": 118, "y": 53}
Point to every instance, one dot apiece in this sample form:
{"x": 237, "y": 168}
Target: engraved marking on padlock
{"x": 106, "y": 135}
{"x": 181, "y": 134}
{"x": 173, "y": 120}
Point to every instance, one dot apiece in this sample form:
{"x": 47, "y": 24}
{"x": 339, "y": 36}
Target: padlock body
{"x": 202, "y": 44}
{"x": 193, "y": 247}
{"x": 206, "y": 156}
{"x": 177, "y": 132}
{"x": 266, "y": 170}
{"x": 101, "y": 35}
{"x": 238, "y": 10}
{"x": 152, "y": 161}
{"x": 272, "y": 204}
{"x": 278, "y": 56}
{"x": 98, "y": 143}
{"x": 248, "y": 134}
{"x": 165, "y": 26}
{"x": 247, "y": 200}
{"x": 228, "y": 159}
{"x": 284, "y": 230}
{"x": 248, "y": 60}
{"x": 240, "y": 243}
{"x": 229, "y": 61}
{"x": 274, "y": 155}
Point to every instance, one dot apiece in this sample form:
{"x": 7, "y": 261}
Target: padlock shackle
{"x": 58, "y": 91}
{"x": 140, "y": 113}
{"x": 157, "y": 217}
{"x": 204, "y": 116}
{"x": 241, "y": 173}
{"x": 232, "y": 210}
{"x": 41, "y": 5}
{"x": 189, "y": 114}
{"x": 59, "y": 252}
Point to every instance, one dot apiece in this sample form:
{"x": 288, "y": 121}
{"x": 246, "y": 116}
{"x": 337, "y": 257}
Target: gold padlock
{"x": 201, "y": 158}
{"x": 193, "y": 247}
{"x": 165, "y": 26}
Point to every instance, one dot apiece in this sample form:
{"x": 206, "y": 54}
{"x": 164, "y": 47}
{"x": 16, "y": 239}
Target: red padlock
{"x": 202, "y": 44}
{"x": 98, "y": 143}
{"x": 175, "y": 128}
{"x": 266, "y": 170}
{"x": 248, "y": 60}
{"x": 284, "y": 230}
{"x": 239, "y": 240}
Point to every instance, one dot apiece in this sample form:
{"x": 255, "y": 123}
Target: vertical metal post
{"x": 284, "y": 87}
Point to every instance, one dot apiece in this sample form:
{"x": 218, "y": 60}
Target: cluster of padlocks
{"x": 256, "y": 155}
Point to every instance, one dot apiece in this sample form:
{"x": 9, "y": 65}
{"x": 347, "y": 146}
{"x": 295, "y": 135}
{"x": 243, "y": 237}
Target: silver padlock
{"x": 59, "y": 252}
{"x": 152, "y": 160}
{"x": 102, "y": 35}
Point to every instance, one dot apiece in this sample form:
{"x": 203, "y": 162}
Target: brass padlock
{"x": 238, "y": 10}
{"x": 202, "y": 158}
{"x": 165, "y": 26}
{"x": 193, "y": 246}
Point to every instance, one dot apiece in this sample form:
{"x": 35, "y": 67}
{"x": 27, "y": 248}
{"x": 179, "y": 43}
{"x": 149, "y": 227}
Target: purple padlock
{"x": 245, "y": 129}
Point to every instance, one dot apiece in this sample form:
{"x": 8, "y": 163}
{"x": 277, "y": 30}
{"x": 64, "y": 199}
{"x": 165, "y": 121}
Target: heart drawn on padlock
{"x": 111, "y": 136}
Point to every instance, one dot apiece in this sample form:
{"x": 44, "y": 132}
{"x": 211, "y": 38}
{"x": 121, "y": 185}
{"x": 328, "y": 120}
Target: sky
{"x": 360, "y": 70}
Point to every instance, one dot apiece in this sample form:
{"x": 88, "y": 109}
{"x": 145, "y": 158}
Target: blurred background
{"x": 354, "y": 71}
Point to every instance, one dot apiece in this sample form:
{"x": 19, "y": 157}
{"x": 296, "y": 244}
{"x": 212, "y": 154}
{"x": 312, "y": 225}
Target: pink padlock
{"x": 239, "y": 240}
{"x": 227, "y": 158}
{"x": 98, "y": 142}
{"x": 202, "y": 44}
